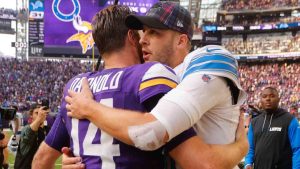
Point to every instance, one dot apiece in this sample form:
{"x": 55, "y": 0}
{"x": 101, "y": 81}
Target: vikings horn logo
{"x": 83, "y": 35}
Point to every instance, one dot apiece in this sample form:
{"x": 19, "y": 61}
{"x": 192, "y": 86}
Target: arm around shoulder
{"x": 45, "y": 156}
{"x": 195, "y": 154}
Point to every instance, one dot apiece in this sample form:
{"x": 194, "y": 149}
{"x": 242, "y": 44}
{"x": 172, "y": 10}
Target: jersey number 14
{"x": 106, "y": 150}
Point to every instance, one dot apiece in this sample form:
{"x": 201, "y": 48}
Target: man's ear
{"x": 183, "y": 41}
{"x": 131, "y": 37}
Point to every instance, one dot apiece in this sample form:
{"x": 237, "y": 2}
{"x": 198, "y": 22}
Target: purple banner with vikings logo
{"x": 68, "y": 22}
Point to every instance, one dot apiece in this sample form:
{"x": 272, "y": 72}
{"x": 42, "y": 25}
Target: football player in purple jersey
{"x": 123, "y": 83}
{"x": 207, "y": 98}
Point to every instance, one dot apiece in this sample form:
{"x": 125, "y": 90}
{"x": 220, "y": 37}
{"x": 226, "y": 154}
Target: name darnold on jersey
{"x": 126, "y": 88}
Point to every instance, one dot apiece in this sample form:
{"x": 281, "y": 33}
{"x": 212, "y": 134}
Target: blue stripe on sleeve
{"x": 212, "y": 66}
{"x": 214, "y": 57}
{"x": 250, "y": 156}
{"x": 294, "y": 137}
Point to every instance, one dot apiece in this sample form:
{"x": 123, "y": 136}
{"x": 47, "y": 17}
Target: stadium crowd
{"x": 258, "y": 20}
{"x": 28, "y": 81}
{"x": 283, "y": 75}
{"x": 263, "y": 44}
{"x": 231, "y": 5}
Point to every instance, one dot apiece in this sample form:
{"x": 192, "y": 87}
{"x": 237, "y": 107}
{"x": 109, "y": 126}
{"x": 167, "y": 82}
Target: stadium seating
{"x": 30, "y": 80}
{"x": 268, "y": 43}
{"x": 231, "y": 5}
{"x": 259, "y": 20}
{"x": 24, "y": 81}
{"x": 283, "y": 75}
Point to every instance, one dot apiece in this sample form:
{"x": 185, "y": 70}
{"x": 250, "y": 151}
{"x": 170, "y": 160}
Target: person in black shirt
{"x": 274, "y": 136}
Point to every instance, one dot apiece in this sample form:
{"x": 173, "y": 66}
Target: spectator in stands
{"x": 256, "y": 4}
{"x": 31, "y": 137}
{"x": 39, "y": 78}
{"x": 17, "y": 75}
{"x": 274, "y": 136}
{"x": 255, "y": 76}
{"x": 269, "y": 43}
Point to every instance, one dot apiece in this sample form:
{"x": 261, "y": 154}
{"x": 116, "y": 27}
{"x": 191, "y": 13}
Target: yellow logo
{"x": 83, "y": 35}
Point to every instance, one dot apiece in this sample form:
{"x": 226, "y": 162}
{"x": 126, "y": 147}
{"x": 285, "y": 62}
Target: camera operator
{"x": 31, "y": 137}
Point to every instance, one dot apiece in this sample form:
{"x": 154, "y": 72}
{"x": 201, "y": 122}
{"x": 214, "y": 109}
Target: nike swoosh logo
{"x": 211, "y": 50}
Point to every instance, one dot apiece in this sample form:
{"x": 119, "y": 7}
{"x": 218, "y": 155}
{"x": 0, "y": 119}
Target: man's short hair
{"x": 271, "y": 88}
{"x": 109, "y": 29}
{"x": 164, "y": 15}
{"x": 33, "y": 107}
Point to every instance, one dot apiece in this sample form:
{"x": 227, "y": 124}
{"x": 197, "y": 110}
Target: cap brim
{"x": 137, "y": 22}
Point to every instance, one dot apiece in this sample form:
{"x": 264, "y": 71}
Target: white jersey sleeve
{"x": 182, "y": 107}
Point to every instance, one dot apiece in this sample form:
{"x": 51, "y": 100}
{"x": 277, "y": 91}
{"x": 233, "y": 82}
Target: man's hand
{"x": 241, "y": 136}
{"x": 70, "y": 162}
{"x": 40, "y": 118}
{"x": 42, "y": 115}
{"x": 78, "y": 102}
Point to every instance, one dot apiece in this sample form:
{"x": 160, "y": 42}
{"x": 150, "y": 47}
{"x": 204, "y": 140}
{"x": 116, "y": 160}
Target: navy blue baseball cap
{"x": 164, "y": 15}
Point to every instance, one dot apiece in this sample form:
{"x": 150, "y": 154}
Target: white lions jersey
{"x": 203, "y": 98}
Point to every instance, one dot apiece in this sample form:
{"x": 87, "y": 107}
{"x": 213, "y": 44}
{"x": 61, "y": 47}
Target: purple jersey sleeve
{"x": 157, "y": 79}
{"x": 58, "y": 136}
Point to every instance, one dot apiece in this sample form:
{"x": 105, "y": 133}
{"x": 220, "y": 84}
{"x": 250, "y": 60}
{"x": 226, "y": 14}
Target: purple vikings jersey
{"x": 125, "y": 88}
